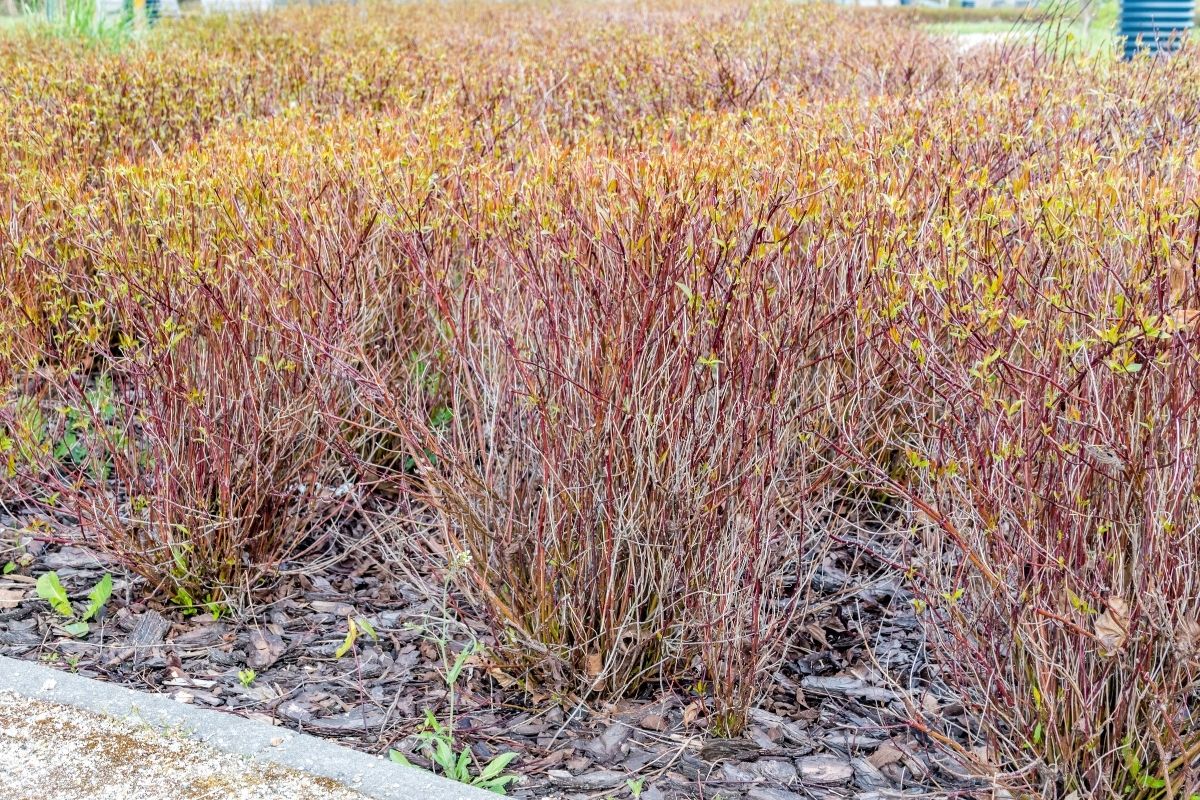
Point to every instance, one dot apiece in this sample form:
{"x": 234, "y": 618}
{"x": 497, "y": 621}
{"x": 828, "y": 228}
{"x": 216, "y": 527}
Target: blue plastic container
{"x": 1155, "y": 26}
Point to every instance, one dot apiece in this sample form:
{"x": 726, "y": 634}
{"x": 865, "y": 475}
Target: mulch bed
{"x": 835, "y": 725}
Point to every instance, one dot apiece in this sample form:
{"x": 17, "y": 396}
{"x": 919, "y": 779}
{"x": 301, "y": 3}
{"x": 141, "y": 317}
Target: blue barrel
{"x": 1155, "y": 26}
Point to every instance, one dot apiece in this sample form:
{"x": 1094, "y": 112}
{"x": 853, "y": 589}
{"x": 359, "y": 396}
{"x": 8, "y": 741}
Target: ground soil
{"x": 836, "y": 723}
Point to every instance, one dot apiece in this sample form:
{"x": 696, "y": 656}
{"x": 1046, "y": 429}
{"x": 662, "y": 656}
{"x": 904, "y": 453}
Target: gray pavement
{"x": 65, "y": 737}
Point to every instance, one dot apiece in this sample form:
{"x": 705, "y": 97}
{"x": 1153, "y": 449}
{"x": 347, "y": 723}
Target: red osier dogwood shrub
{"x": 634, "y": 377}
{"x": 639, "y": 307}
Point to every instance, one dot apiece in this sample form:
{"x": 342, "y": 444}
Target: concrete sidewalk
{"x": 64, "y": 737}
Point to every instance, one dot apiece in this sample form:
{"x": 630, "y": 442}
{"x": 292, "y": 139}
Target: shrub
{"x": 640, "y": 302}
{"x": 632, "y": 377}
{"x": 1048, "y": 347}
{"x": 204, "y": 463}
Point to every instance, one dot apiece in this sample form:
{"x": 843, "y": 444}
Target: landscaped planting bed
{"x": 689, "y": 399}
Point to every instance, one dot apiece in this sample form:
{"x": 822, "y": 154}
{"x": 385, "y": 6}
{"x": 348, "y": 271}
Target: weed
{"x": 437, "y": 739}
{"x": 463, "y": 767}
{"x": 50, "y": 589}
{"x": 353, "y": 626}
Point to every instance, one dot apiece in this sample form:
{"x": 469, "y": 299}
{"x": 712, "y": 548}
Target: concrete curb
{"x": 370, "y": 775}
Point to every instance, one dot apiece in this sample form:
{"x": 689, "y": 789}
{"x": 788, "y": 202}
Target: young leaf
{"x": 460, "y": 661}
{"x": 496, "y": 766}
{"x": 77, "y": 629}
{"x": 498, "y": 785}
{"x": 183, "y": 599}
{"x": 432, "y": 724}
{"x": 351, "y": 638}
{"x": 462, "y": 769}
{"x": 1132, "y": 762}
{"x": 443, "y": 755}
{"x": 50, "y": 589}
{"x": 98, "y": 597}
{"x": 368, "y": 629}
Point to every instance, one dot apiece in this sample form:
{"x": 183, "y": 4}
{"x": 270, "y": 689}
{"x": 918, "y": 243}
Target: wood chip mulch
{"x": 838, "y": 722}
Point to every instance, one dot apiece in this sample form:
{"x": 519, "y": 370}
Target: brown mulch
{"x": 838, "y": 722}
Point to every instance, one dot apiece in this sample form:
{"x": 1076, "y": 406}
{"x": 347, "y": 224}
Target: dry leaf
{"x": 1105, "y": 458}
{"x": 594, "y": 665}
{"x": 888, "y": 753}
{"x": 501, "y": 677}
{"x": 817, "y": 632}
{"x": 11, "y": 598}
{"x": 1183, "y": 318}
{"x": 1177, "y": 278}
{"x": 1188, "y": 638}
{"x": 1112, "y": 626}
{"x": 692, "y": 712}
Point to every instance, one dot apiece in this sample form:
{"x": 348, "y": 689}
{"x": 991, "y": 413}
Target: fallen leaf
{"x": 11, "y": 598}
{"x": 1178, "y": 279}
{"x": 1183, "y": 318}
{"x": 692, "y": 712}
{"x": 654, "y": 722}
{"x": 1112, "y": 626}
{"x": 265, "y": 649}
{"x": 501, "y": 677}
{"x": 1189, "y": 638}
{"x": 594, "y": 665}
{"x": 887, "y": 753}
